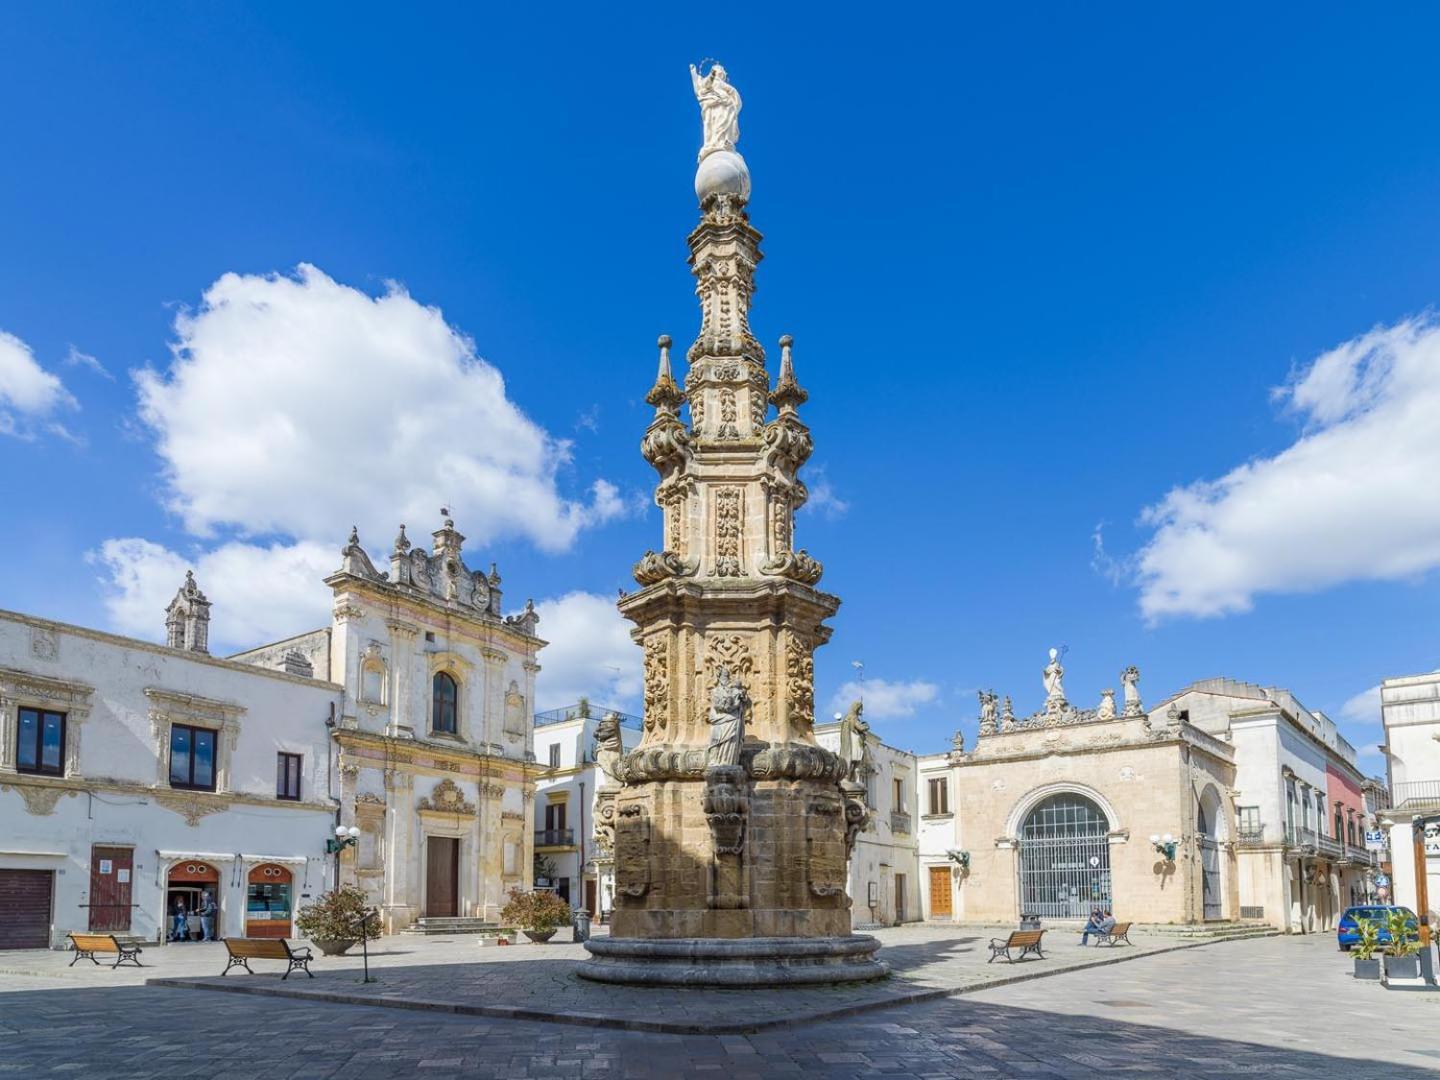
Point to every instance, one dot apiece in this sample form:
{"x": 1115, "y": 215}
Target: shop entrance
{"x": 185, "y": 890}
{"x": 268, "y": 893}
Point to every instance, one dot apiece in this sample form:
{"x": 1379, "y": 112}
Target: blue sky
{"x": 1050, "y": 273}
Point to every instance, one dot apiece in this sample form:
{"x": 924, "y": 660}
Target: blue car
{"x": 1348, "y": 929}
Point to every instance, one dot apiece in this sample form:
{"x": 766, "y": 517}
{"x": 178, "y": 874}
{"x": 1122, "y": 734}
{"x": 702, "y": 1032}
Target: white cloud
{"x": 823, "y": 499}
{"x": 885, "y": 700}
{"x": 76, "y": 358}
{"x": 29, "y": 395}
{"x": 1351, "y": 500}
{"x": 259, "y": 592}
{"x": 296, "y": 405}
{"x": 590, "y": 654}
{"x": 1363, "y": 708}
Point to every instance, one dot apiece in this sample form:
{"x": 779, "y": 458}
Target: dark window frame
{"x": 940, "y": 786}
{"x": 287, "y": 767}
{"x": 439, "y": 713}
{"x": 39, "y": 768}
{"x": 214, "y": 758}
{"x": 554, "y": 755}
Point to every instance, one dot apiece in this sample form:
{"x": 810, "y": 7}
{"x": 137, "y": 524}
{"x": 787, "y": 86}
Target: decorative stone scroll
{"x": 729, "y": 521}
{"x": 632, "y": 851}
{"x": 39, "y": 800}
{"x": 657, "y": 681}
{"x": 726, "y": 807}
{"x": 447, "y": 798}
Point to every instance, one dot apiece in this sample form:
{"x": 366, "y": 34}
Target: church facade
{"x": 434, "y": 745}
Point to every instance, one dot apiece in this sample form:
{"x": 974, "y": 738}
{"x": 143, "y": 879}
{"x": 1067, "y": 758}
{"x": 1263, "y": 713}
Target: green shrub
{"x": 337, "y": 915}
{"x": 539, "y": 911}
{"x": 1400, "y": 943}
{"x": 1369, "y": 941}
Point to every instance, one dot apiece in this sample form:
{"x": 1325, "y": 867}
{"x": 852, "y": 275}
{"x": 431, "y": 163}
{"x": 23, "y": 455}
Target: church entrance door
{"x": 442, "y": 877}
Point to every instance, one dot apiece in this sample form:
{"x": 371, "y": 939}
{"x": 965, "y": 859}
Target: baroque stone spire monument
{"x": 731, "y": 828}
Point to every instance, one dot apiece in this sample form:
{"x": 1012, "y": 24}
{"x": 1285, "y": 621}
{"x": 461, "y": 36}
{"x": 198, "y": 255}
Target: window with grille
{"x": 287, "y": 776}
{"x": 40, "y": 744}
{"x": 939, "y": 795}
{"x": 1065, "y": 858}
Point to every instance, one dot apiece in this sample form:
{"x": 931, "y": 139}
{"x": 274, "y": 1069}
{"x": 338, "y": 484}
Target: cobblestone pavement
{"x": 1274, "y": 1007}
{"x": 538, "y": 981}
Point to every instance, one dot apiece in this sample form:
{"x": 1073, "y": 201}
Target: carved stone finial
{"x": 187, "y": 618}
{"x": 788, "y": 393}
{"x": 402, "y": 542}
{"x": 354, "y": 536}
{"x": 666, "y": 395}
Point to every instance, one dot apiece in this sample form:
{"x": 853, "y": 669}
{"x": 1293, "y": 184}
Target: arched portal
{"x": 1210, "y": 826}
{"x": 1065, "y": 858}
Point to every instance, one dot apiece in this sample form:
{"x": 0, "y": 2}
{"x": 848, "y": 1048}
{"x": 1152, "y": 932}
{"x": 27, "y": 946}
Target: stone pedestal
{"x": 760, "y": 961}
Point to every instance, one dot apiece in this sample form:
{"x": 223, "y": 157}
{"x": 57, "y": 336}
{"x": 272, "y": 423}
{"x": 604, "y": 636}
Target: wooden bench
{"x": 1116, "y": 934}
{"x": 1027, "y": 941}
{"x": 243, "y": 950}
{"x": 87, "y": 945}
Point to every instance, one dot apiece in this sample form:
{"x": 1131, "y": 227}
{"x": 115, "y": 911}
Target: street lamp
{"x": 343, "y": 838}
{"x": 1164, "y": 845}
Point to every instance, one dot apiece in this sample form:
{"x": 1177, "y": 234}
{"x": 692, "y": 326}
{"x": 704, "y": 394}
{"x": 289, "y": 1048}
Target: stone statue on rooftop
{"x": 727, "y": 720}
{"x": 1130, "y": 679}
{"x": 1054, "y": 690}
{"x": 719, "y": 109}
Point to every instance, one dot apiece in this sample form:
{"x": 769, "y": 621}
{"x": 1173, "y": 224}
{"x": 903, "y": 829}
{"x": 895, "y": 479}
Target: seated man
{"x": 1107, "y": 923}
{"x": 1092, "y": 927}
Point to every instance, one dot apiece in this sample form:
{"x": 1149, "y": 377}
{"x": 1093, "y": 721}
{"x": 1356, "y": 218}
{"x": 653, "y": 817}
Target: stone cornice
{"x": 193, "y": 706}
{"x": 80, "y": 785}
{"x": 478, "y": 628}
{"x": 990, "y": 757}
{"x": 387, "y": 752}
{"x": 164, "y": 650}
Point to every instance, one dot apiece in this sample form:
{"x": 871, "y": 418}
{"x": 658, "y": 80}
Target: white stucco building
{"x": 884, "y": 884}
{"x": 936, "y": 812}
{"x": 133, "y": 775}
{"x": 1410, "y": 708}
{"x": 578, "y": 868}
{"x": 1300, "y": 811}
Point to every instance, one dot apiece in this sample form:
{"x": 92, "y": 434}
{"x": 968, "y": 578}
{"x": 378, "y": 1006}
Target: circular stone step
{"x": 776, "y": 961}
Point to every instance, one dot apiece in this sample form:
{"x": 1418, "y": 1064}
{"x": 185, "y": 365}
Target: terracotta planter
{"x": 540, "y": 936}
{"x": 1367, "y": 969}
{"x": 331, "y": 947}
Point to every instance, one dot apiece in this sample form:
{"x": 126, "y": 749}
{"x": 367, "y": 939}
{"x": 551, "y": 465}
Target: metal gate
{"x": 1065, "y": 859}
{"x": 1210, "y": 876}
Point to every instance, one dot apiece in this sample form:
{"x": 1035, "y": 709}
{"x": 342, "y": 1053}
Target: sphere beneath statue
{"x": 722, "y": 173}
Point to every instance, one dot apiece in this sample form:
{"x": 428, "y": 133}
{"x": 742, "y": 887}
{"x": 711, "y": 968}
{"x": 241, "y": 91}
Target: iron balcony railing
{"x": 1328, "y": 845}
{"x": 554, "y": 837}
{"x": 900, "y": 822}
{"x": 585, "y": 712}
{"x": 1250, "y": 835}
{"x": 1416, "y": 792}
{"x": 1360, "y": 855}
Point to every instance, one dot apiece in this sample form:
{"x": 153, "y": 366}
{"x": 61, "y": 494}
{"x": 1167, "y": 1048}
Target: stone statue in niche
{"x": 719, "y": 109}
{"x": 855, "y": 743}
{"x": 728, "y": 702}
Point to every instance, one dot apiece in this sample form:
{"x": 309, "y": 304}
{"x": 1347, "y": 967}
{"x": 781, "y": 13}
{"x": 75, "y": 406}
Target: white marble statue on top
{"x": 1054, "y": 690}
{"x": 727, "y": 720}
{"x": 719, "y": 109}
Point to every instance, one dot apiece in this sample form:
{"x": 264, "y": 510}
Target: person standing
{"x": 179, "y": 929}
{"x": 207, "y": 917}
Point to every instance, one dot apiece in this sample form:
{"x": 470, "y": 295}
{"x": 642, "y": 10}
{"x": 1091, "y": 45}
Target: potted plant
{"x": 538, "y": 913}
{"x": 337, "y": 921}
{"x": 1403, "y": 952}
{"x": 1367, "y": 965}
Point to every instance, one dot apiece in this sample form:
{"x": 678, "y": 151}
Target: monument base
{"x": 774, "y": 961}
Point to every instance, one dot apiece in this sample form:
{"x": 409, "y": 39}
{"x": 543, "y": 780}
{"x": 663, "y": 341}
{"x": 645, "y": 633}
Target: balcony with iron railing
{"x": 1415, "y": 793}
{"x": 585, "y": 711}
{"x": 554, "y": 838}
{"x": 1250, "y": 835}
{"x": 900, "y": 822}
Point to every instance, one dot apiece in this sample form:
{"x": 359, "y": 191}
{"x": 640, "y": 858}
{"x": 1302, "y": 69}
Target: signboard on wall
{"x": 1432, "y": 837}
{"x": 1375, "y": 840}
